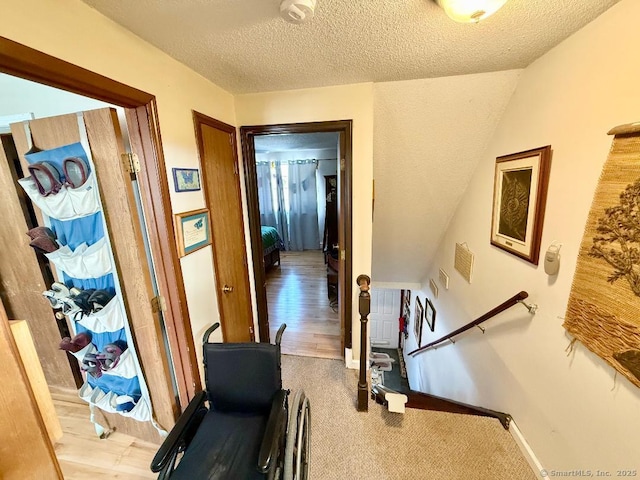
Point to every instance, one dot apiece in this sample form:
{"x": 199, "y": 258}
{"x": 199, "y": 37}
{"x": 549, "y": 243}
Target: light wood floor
{"x": 82, "y": 455}
{"x": 297, "y": 296}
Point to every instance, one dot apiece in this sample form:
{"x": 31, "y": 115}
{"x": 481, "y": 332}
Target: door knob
{"x": 227, "y": 289}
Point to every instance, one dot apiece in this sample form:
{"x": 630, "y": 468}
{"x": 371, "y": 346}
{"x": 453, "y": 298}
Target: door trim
{"x": 142, "y": 118}
{"x": 201, "y": 119}
{"x": 247, "y": 136}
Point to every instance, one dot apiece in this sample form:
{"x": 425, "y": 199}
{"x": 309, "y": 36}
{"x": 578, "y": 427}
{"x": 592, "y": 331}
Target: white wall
{"x": 72, "y": 31}
{"x": 429, "y": 135}
{"x": 21, "y": 96}
{"x": 572, "y": 408}
{"x": 348, "y": 102}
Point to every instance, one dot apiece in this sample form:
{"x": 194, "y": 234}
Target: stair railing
{"x": 364, "y": 307}
{"x": 518, "y": 298}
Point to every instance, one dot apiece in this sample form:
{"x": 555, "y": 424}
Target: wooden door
{"x": 219, "y": 166}
{"x": 25, "y": 449}
{"x": 125, "y": 229}
{"x": 23, "y": 281}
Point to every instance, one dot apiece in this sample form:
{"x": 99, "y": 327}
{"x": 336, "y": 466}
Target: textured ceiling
{"x": 244, "y": 46}
{"x": 428, "y": 137}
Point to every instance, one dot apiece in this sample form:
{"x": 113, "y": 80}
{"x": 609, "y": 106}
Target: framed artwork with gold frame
{"x": 193, "y": 230}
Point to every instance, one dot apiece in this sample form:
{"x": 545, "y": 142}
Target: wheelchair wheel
{"x": 298, "y": 448}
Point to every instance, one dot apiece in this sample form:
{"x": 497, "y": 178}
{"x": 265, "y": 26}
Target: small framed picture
{"x": 430, "y": 315}
{"x": 406, "y": 305}
{"x": 193, "y": 230}
{"x": 417, "y": 321}
{"x": 519, "y": 199}
{"x": 186, "y": 179}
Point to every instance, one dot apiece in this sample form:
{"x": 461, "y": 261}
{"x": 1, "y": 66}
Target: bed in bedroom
{"x": 271, "y": 246}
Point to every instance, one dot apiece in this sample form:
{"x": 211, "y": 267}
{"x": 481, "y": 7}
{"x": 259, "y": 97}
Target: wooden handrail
{"x": 491, "y": 313}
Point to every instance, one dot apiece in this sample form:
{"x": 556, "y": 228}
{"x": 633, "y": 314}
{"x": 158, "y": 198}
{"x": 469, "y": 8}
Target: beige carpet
{"x": 380, "y": 445}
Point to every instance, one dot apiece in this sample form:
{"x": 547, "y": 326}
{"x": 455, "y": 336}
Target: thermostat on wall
{"x": 552, "y": 259}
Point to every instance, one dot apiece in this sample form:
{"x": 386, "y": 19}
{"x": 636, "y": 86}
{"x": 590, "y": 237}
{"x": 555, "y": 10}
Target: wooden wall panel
{"x": 25, "y": 449}
{"x": 22, "y": 284}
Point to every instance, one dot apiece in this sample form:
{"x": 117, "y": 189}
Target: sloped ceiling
{"x": 429, "y": 133}
{"x": 244, "y": 46}
{"x": 428, "y": 138}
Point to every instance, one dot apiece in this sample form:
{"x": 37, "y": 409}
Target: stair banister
{"x": 364, "y": 307}
{"x": 518, "y": 298}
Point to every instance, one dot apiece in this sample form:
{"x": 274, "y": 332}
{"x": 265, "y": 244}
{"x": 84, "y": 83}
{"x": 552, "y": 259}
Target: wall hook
{"x": 481, "y": 328}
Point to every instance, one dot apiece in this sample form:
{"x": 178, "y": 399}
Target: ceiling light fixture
{"x": 297, "y": 11}
{"x": 470, "y": 11}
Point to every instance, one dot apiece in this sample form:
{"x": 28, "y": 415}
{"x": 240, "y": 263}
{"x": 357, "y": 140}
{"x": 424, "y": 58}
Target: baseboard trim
{"x": 349, "y": 362}
{"x": 526, "y": 450}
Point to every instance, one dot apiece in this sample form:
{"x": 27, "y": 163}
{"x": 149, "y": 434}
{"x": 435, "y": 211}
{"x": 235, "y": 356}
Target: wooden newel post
{"x": 364, "y": 307}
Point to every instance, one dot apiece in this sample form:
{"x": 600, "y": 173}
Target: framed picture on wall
{"x": 519, "y": 199}
{"x": 430, "y": 315}
{"x": 417, "y": 321}
{"x": 193, "y": 230}
{"x": 186, "y": 179}
{"x": 406, "y": 305}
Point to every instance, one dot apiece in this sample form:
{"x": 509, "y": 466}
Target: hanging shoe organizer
{"x": 64, "y": 186}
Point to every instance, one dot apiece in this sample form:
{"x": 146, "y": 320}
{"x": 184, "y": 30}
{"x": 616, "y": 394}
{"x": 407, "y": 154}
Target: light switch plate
{"x": 444, "y": 279}
{"x": 434, "y": 287}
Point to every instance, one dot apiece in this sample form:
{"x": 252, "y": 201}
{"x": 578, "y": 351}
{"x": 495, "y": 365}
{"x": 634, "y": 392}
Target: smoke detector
{"x": 297, "y": 11}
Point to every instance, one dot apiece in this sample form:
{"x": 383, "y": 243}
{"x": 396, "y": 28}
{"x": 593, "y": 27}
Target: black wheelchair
{"x": 249, "y": 430}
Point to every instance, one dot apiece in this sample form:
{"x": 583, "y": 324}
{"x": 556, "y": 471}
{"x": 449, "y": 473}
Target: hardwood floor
{"x": 83, "y": 455}
{"x": 297, "y": 296}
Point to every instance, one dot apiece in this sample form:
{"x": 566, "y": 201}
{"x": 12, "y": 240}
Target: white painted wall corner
{"x": 349, "y": 361}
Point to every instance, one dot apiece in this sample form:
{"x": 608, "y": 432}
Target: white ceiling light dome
{"x": 297, "y": 11}
{"x": 470, "y": 11}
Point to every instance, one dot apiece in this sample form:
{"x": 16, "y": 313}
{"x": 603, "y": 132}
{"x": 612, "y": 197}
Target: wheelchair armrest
{"x": 274, "y": 433}
{"x": 186, "y": 424}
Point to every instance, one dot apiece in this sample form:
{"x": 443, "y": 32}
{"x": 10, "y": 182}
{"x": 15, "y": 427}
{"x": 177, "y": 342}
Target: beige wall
{"x": 348, "y": 102}
{"x": 572, "y": 408}
{"x": 427, "y": 135}
{"x": 72, "y": 31}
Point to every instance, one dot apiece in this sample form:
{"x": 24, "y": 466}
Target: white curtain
{"x": 265, "y": 195}
{"x": 303, "y": 206}
{"x": 287, "y": 195}
{"x": 270, "y": 199}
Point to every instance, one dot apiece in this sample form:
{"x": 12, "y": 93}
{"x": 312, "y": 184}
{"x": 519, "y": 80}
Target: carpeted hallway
{"x": 382, "y": 445}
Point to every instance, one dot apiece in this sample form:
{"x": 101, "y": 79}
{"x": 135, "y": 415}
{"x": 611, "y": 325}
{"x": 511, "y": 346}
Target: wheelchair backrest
{"x": 242, "y": 377}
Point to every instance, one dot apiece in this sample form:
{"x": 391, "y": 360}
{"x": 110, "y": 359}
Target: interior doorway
{"x": 298, "y": 179}
{"x": 62, "y": 221}
{"x": 141, "y": 115}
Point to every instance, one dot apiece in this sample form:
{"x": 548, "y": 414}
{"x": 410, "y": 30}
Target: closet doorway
{"x": 298, "y": 189}
{"x": 139, "y": 108}
{"x": 75, "y": 219}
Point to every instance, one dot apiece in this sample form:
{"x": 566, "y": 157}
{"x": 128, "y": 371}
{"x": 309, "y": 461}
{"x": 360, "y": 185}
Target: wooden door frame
{"x": 201, "y": 119}
{"x": 247, "y": 136}
{"x": 144, "y": 131}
